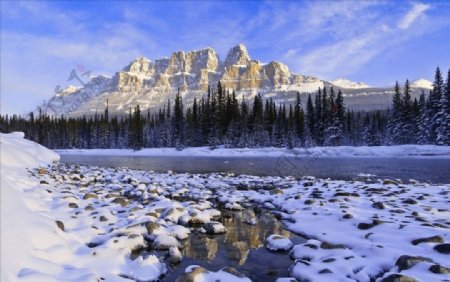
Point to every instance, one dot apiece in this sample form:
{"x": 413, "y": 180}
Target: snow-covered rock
{"x": 277, "y": 242}
{"x": 345, "y": 83}
{"x": 198, "y": 273}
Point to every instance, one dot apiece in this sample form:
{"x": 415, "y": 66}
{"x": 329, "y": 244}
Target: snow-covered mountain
{"x": 345, "y": 83}
{"x": 151, "y": 83}
{"x": 422, "y": 83}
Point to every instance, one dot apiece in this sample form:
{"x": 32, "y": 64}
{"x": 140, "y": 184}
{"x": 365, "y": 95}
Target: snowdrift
{"x": 23, "y": 229}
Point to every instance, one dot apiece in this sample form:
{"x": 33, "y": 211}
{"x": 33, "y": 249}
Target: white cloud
{"x": 417, "y": 10}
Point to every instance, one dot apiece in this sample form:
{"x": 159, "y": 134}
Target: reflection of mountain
{"x": 200, "y": 247}
{"x": 238, "y": 251}
{"x": 239, "y": 239}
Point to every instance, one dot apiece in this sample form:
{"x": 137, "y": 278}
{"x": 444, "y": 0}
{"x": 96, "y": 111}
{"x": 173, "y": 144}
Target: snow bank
{"x": 19, "y": 213}
{"x": 37, "y": 241}
{"x": 403, "y": 151}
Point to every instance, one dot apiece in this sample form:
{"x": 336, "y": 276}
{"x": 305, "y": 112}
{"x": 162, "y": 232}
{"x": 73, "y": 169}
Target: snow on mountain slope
{"x": 422, "y": 83}
{"x": 150, "y": 83}
{"x": 345, "y": 83}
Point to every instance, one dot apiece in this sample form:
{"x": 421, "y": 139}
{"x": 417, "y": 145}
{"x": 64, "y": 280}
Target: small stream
{"x": 241, "y": 247}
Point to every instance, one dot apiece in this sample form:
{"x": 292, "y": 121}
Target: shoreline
{"x": 396, "y": 151}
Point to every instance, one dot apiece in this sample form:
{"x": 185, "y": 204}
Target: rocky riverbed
{"x": 127, "y": 224}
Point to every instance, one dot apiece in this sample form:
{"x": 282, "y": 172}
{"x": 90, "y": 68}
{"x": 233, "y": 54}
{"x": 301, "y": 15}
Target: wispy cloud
{"x": 348, "y": 36}
{"x": 42, "y": 41}
{"x": 417, "y": 10}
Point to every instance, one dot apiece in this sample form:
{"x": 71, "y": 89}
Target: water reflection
{"x": 239, "y": 239}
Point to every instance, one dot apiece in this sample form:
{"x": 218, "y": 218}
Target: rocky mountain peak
{"x": 150, "y": 83}
{"x": 238, "y": 55}
{"x": 139, "y": 65}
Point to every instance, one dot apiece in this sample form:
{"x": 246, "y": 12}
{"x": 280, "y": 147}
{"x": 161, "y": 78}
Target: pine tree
{"x": 318, "y": 130}
{"x": 407, "y": 126}
{"x": 443, "y": 116}
{"x": 178, "y": 122}
{"x": 334, "y": 133}
{"x": 422, "y": 121}
{"x": 310, "y": 122}
{"x": 299, "y": 119}
{"x": 396, "y": 116}
{"x": 434, "y": 105}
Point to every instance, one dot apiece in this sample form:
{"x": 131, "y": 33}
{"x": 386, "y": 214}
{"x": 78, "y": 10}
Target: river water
{"x": 345, "y": 168}
{"x": 242, "y": 246}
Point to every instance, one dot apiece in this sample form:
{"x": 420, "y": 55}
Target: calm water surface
{"x": 422, "y": 169}
{"x": 241, "y": 247}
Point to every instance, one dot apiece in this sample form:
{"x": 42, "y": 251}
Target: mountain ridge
{"x": 150, "y": 83}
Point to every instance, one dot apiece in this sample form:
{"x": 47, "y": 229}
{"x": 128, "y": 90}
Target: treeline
{"x": 220, "y": 119}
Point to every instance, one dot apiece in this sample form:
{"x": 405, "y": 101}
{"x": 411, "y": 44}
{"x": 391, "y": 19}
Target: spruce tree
{"x": 434, "y": 105}
{"x": 443, "y": 116}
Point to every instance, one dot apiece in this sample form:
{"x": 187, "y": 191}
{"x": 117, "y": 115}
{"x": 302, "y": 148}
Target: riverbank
{"x": 401, "y": 151}
{"x": 74, "y": 222}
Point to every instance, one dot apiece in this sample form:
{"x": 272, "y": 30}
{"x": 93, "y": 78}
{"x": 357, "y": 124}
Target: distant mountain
{"x": 422, "y": 83}
{"x": 151, "y": 83}
{"x": 345, "y": 83}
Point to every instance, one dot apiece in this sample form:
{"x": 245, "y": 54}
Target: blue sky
{"x": 377, "y": 42}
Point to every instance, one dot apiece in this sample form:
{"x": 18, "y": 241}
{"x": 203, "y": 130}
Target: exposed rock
{"x": 214, "y": 227}
{"x": 409, "y": 201}
{"x": 90, "y": 196}
{"x": 60, "y": 224}
{"x": 389, "y": 182}
{"x": 406, "y": 262}
{"x": 152, "y": 226}
{"x": 378, "y": 205}
{"x": 443, "y": 248}
{"x": 121, "y": 201}
{"x": 309, "y": 202}
{"x": 191, "y": 72}
{"x": 327, "y": 245}
{"x": 325, "y": 270}
{"x": 328, "y": 260}
{"x": 365, "y": 226}
{"x": 432, "y": 239}
{"x": 347, "y": 216}
{"x": 398, "y": 278}
{"x": 237, "y": 55}
{"x": 439, "y": 269}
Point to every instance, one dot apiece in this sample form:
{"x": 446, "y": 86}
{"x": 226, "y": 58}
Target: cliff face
{"x": 195, "y": 70}
{"x": 151, "y": 83}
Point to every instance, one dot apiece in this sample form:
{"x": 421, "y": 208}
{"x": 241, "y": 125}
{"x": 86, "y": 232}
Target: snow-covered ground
{"x": 27, "y": 229}
{"x": 400, "y": 151}
{"x": 83, "y": 223}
